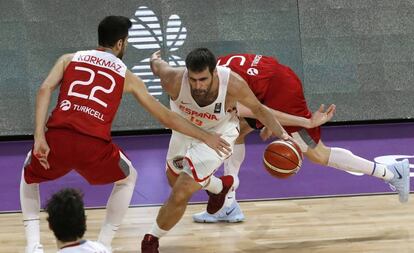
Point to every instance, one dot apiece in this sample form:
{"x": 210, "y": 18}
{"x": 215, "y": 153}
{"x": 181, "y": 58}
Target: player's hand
{"x": 156, "y": 56}
{"x": 286, "y": 137}
{"x": 221, "y": 146}
{"x": 41, "y": 151}
{"x": 321, "y": 116}
{"x": 265, "y": 133}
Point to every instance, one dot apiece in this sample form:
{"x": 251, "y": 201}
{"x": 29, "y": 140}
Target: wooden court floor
{"x": 345, "y": 224}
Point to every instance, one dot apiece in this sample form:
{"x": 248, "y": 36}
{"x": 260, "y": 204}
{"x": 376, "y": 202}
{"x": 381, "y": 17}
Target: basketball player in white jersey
{"x": 207, "y": 96}
{"x": 67, "y": 220}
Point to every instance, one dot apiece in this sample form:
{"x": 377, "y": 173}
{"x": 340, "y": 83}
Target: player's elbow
{"x": 44, "y": 89}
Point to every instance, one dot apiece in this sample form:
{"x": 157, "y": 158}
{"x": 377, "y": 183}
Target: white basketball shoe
{"x": 401, "y": 180}
{"x": 230, "y": 214}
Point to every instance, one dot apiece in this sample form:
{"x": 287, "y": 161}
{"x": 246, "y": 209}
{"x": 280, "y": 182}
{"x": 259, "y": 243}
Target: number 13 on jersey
{"x": 196, "y": 121}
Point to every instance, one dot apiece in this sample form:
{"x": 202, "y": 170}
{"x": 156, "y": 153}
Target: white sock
{"x": 232, "y": 167}
{"x": 344, "y": 160}
{"x": 215, "y": 185}
{"x": 30, "y": 204}
{"x": 233, "y": 163}
{"x": 117, "y": 206}
{"x": 157, "y": 231}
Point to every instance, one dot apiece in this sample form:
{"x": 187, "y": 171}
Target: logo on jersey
{"x": 256, "y": 60}
{"x": 217, "y": 108}
{"x": 388, "y": 159}
{"x": 203, "y": 115}
{"x": 65, "y": 105}
{"x": 252, "y": 71}
{"x": 178, "y": 162}
{"x": 146, "y": 33}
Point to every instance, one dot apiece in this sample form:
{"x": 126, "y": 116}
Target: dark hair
{"x": 66, "y": 215}
{"x": 199, "y": 59}
{"x": 113, "y": 28}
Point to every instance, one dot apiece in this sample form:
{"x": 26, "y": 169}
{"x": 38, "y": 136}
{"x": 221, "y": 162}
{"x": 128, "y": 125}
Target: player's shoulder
{"x": 236, "y": 83}
{"x": 66, "y": 58}
{"x": 235, "y": 78}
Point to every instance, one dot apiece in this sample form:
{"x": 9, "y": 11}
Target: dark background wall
{"x": 356, "y": 54}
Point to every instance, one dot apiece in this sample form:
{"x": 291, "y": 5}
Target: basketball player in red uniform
{"x": 280, "y": 89}
{"x": 91, "y": 84}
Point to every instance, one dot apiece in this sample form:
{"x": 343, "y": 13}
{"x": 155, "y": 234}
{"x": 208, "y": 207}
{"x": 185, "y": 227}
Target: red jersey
{"x": 254, "y": 68}
{"x": 90, "y": 94}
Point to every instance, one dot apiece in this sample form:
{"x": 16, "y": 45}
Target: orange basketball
{"x": 282, "y": 158}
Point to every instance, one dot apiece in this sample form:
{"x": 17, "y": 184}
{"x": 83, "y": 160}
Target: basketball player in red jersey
{"x": 280, "y": 89}
{"x": 91, "y": 84}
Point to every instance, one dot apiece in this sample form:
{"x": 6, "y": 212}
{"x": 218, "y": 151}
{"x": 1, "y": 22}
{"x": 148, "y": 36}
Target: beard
{"x": 202, "y": 93}
{"x": 199, "y": 93}
{"x": 122, "y": 52}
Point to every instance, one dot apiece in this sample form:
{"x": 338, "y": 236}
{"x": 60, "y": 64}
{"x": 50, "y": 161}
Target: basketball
{"x": 282, "y": 159}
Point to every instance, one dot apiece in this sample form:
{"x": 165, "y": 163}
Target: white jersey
{"x": 208, "y": 116}
{"x": 85, "y": 247}
{"x": 186, "y": 154}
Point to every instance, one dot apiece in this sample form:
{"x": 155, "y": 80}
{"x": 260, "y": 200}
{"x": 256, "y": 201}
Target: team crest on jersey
{"x": 147, "y": 33}
{"x": 253, "y": 71}
{"x": 65, "y": 105}
{"x": 217, "y": 108}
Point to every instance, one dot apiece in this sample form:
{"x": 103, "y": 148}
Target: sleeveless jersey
{"x": 253, "y": 68}
{"x": 90, "y": 94}
{"x": 208, "y": 116}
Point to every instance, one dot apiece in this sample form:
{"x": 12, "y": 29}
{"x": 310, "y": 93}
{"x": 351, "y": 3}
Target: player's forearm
{"x": 184, "y": 126}
{"x": 266, "y": 117}
{"x": 42, "y": 105}
{"x": 157, "y": 64}
{"x": 174, "y": 121}
{"x": 284, "y": 118}
{"x": 290, "y": 120}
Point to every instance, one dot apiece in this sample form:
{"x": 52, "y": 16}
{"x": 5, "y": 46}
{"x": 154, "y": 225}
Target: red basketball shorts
{"x": 98, "y": 161}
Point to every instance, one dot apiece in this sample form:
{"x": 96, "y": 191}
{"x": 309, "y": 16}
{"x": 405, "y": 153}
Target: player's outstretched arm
{"x": 320, "y": 117}
{"x": 170, "y": 76}
{"x": 171, "y": 119}
{"x": 44, "y": 94}
{"x": 241, "y": 92}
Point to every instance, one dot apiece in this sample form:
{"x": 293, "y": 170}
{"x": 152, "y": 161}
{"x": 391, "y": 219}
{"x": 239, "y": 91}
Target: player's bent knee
{"x": 131, "y": 178}
{"x": 318, "y": 156}
{"x": 171, "y": 177}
